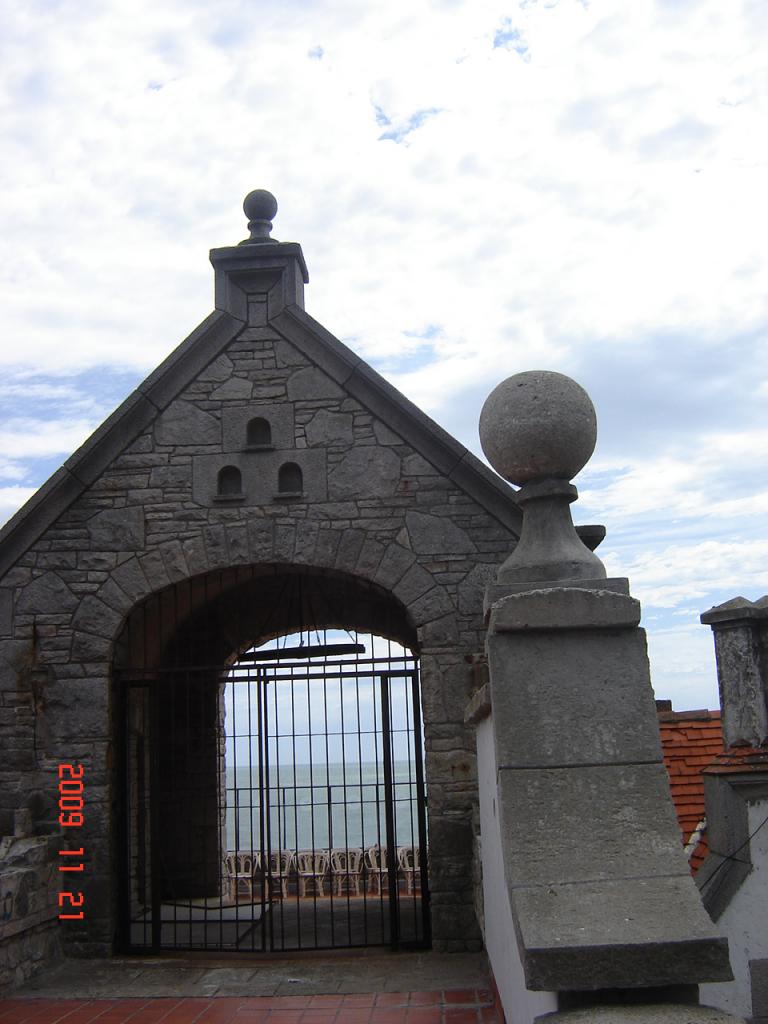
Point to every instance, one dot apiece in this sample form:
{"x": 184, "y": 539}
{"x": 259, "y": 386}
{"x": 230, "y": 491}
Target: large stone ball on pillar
{"x": 538, "y": 429}
{"x": 538, "y": 424}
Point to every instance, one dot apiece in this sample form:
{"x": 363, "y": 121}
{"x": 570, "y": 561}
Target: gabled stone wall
{"x": 375, "y": 505}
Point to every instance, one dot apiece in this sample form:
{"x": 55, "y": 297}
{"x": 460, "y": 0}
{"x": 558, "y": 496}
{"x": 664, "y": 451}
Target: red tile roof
{"x": 690, "y": 740}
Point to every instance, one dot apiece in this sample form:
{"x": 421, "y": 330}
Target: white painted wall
{"x": 745, "y": 922}
{"x": 520, "y": 1005}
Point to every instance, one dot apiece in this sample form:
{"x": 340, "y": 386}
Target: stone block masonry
{"x": 264, "y": 442}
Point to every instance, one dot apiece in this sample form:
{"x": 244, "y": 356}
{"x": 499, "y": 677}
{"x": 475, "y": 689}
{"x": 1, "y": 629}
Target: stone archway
{"x": 171, "y": 670}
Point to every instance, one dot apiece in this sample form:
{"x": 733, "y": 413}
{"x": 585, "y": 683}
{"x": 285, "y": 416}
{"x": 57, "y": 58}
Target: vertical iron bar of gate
{"x": 389, "y": 810}
{"x": 125, "y": 864}
{"x": 421, "y": 811}
{"x": 154, "y": 812}
{"x": 263, "y": 853}
{"x": 266, "y": 806}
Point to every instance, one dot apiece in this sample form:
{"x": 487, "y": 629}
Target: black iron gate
{"x": 279, "y": 805}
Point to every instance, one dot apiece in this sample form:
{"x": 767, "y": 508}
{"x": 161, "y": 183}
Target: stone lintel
{"x": 564, "y": 608}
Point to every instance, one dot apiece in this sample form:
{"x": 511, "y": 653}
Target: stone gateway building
{"x": 244, "y": 694}
{"x": 262, "y": 483}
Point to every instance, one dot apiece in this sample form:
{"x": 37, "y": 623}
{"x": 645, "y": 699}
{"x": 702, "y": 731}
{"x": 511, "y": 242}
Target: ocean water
{"x": 320, "y": 806}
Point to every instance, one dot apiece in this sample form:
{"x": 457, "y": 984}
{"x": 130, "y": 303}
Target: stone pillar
{"x": 740, "y": 628}
{"x": 734, "y": 877}
{"x": 580, "y": 822}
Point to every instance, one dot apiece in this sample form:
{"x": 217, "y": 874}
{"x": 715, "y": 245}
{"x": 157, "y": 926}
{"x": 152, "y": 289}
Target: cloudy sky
{"x": 479, "y": 187}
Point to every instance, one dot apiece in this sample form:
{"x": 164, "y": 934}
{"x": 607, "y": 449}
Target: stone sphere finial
{"x": 538, "y": 425}
{"x": 259, "y": 207}
{"x": 538, "y": 429}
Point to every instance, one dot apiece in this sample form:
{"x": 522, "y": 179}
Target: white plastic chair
{"x": 241, "y": 868}
{"x": 408, "y": 862}
{"x": 311, "y": 866}
{"x": 376, "y": 867}
{"x": 280, "y": 866}
{"x": 346, "y": 870}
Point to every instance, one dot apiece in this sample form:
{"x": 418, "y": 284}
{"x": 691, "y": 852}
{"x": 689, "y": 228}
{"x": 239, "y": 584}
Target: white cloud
{"x": 12, "y": 498}
{"x": 588, "y": 198}
{"x": 31, "y": 438}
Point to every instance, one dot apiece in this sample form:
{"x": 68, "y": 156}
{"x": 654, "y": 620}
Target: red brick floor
{"x": 468, "y": 1006}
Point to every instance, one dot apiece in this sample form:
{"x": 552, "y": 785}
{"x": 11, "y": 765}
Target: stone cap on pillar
{"x": 736, "y": 610}
{"x": 259, "y": 268}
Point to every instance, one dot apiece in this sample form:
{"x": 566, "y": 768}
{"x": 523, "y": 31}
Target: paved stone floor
{"x": 416, "y": 988}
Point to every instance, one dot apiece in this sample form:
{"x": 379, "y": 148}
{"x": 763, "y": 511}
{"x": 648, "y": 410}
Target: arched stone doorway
{"x": 220, "y": 744}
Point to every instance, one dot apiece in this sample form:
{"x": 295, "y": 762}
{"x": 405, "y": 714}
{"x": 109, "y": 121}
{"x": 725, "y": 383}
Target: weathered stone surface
{"x": 378, "y": 467}
{"x": 758, "y": 976}
{"x": 741, "y": 631}
{"x": 435, "y": 604}
{"x": 394, "y": 564}
{"x": 634, "y": 834}
{"x": 616, "y": 934}
{"x": 350, "y": 546}
{"x": 447, "y": 680}
{"x": 415, "y": 582}
{"x": 47, "y": 593}
{"x": 6, "y": 612}
{"x": 572, "y": 698}
{"x": 384, "y": 435}
{"x": 216, "y": 545}
{"x": 285, "y": 543}
{"x": 113, "y": 595}
{"x": 287, "y": 355}
{"x": 196, "y": 555}
{"x": 93, "y": 616}
{"x": 130, "y": 577}
{"x": 443, "y": 632}
{"x": 327, "y": 547}
{"x": 153, "y": 567}
{"x": 431, "y": 535}
{"x": 538, "y": 424}
{"x": 234, "y": 388}
{"x": 261, "y": 539}
{"x": 174, "y": 560}
{"x": 219, "y": 369}
{"x": 370, "y": 557}
{"x": 176, "y": 477}
{"x": 306, "y": 540}
{"x": 118, "y": 529}
{"x": 237, "y": 543}
{"x": 651, "y": 1013}
{"x": 311, "y": 384}
{"x": 330, "y": 428}
{"x": 88, "y": 648}
{"x": 415, "y": 465}
{"x": 183, "y": 423}
{"x": 564, "y": 608}
{"x": 473, "y": 587}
